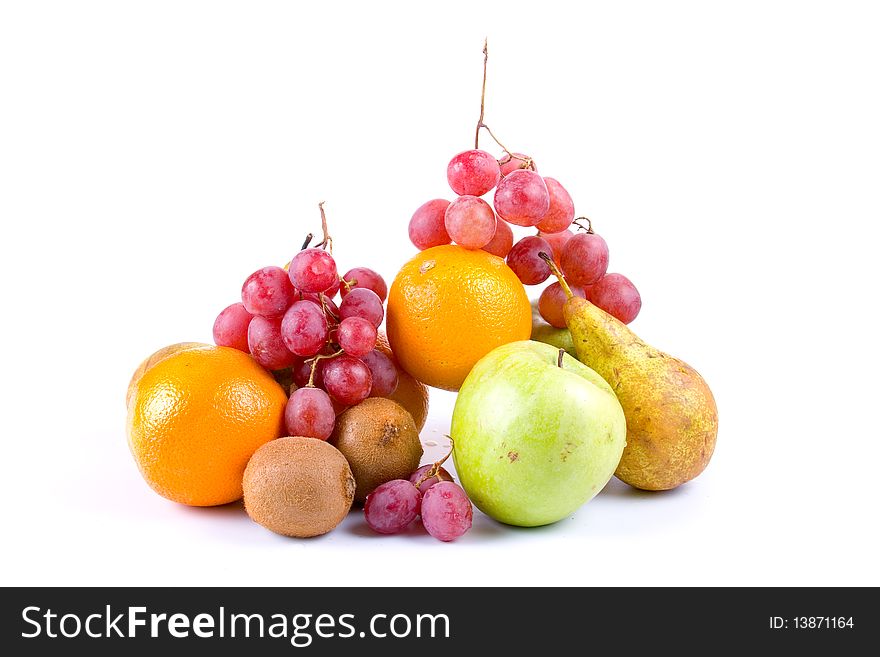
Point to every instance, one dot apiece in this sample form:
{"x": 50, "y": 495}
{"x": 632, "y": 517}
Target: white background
{"x": 153, "y": 154}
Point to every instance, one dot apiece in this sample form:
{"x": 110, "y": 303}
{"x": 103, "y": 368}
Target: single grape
{"x": 333, "y": 290}
{"x": 525, "y": 262}
{"x": 347, "y": 379}
{"x": 356, "y": 336}
{"x": 304, "y": 328}
{"x": 522, "y": 198}
{"x": 267, "y": 292}
{"x": 561, "y": 212}
{"x": 557, "y": 242}
{"x": 313, "y": 270}
{"x": 231, "y": 327}
{"x": 446, "y": 511}
{"x": 302, "y": 370}
{"x": 473, "y": 173}
{"x": 470, "y": 222}
{"x": 584, "y": 259}
{"x": 266, "y": 344}
{"x": 309, "y": 412}
{"x": 516, "y": 161}
{"x": 416, "y": 477}
{"x": 617, "y": 296}
{"x": 552, "y": 300}
{"x": 502, "y": 240}
{"x": 392, "y": 506}
{"x": 427, "y": 227}
{"x": 384, "y": 372}
{"x": 361, "y": 302}
{"x": 365, "y": 277}
{"x": 325, "y": 303}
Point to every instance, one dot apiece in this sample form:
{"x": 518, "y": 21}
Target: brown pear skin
{"x": 671, "y": 417}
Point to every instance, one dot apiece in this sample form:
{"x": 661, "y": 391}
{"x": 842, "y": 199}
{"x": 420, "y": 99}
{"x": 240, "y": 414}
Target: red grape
{"x": 313, "y": 270}
{"x": 557, "y": 242}
{"x": 502, "y": 240}
{"x": 522, "y": 198}
{"x": 525, "y": 262}
{"x": 309, "y": 412}
{"x": 266, "y": 344}
{"x": 552, "y": 300}
{"x": 304, "y": 328}
{"x": 617, "y": 296}
{"x": 365, "y": 277}
{"x": 561, "y": 212}
{"x": 446, "y": 511}
{"x": 231, "y": 327}
{"x": 473, "y": 173}
{"x": 427, "y": 228}
{"x": 356, "y": 336}
{"x": 384, "y": 372}
{"x": 584, "y": 259}
{"x": 303, "y": 370}
{"x": 516, "y": 161}
{"x": 347, "y": 379}
{"x": 361, "y": 302}
{"x": 391, "y": 507}
{"x": 267, "y": 292}
{"x": 470, "y": 222}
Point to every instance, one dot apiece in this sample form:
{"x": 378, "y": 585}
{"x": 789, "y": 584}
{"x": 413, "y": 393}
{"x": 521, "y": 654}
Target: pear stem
{"x": 558, "y": 274}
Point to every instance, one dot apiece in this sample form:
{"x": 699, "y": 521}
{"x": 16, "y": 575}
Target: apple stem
{"x": 435, "y": 468}
{"x": 327, "y": 242}
{"x": 311, "y": 383}
{"x": 556, "y": 273}
{"x": 559, "y": 358}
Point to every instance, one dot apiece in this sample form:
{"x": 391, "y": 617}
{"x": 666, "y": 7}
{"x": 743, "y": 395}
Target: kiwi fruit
{"x": 298, "y": 487}
{"x": 379, "y": 439}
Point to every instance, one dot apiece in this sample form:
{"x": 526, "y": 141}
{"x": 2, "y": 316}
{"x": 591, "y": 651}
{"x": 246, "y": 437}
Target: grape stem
{"x": 348, "y": 284}
{"x": 311, "y": 383}
{"x": 589, "y": 226}
{"x": 481, "y": 125}
{"x": 435, "y": 468}
{"x": 307, "y": 241}
{"x": 556, "y": 273}
{"x": 327, "y": 242}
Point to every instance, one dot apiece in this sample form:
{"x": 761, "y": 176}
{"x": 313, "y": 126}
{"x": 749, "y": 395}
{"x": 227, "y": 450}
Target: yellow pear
{"x": 671, "y": 417}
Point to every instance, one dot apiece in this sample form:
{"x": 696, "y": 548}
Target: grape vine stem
{"x": 311, "y": 383}
{"x": 434, "y": 471}
{"x": 481, "y": 125}
{"x": 588, "y": 227}
{"x": 327, "y": 242}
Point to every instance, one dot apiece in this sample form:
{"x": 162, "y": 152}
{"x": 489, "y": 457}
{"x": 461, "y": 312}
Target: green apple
{"x": 543, "y": 332}
{"x": 534, "y": 440}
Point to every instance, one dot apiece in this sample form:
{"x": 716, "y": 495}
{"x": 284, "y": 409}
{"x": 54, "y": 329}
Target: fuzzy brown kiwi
{"x": 379, "y": 439}
{"x": 298, "y": 487}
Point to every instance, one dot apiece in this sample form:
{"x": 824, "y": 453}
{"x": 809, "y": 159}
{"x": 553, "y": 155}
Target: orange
{"x": 196, "y": 417}
{"x": 448, "y": 307}
{"x": 151, "y": 360}
{"x": 411, "y": 393}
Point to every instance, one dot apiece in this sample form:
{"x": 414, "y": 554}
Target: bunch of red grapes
{"x": 431, "y": 493}
{"x": 288, "y": 320}
{"x": 526, "y": 199}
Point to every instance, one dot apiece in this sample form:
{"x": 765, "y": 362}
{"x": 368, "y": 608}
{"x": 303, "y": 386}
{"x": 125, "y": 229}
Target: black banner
{"x": 428, "y": 621}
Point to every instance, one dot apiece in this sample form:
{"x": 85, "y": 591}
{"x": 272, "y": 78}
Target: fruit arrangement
{"x": 304, "y": 409}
